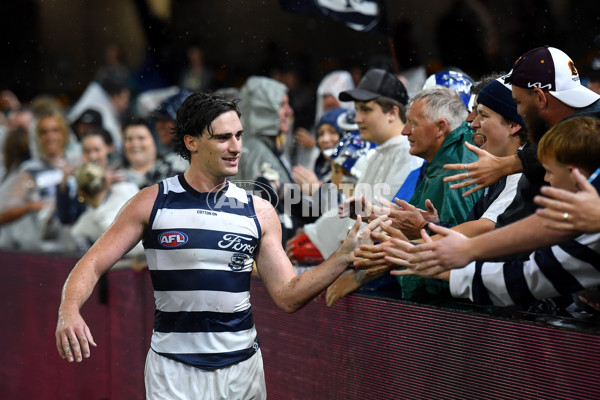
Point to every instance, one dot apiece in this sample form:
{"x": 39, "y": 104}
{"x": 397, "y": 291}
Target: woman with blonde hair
{"x": 27, "y": 212}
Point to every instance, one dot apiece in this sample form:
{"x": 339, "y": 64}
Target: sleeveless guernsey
{"x": 200, "y": 250}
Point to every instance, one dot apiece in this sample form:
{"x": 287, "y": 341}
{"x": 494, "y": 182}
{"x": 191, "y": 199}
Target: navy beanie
{"x": 331, "y": 117}
{"x": 497, "y": 95}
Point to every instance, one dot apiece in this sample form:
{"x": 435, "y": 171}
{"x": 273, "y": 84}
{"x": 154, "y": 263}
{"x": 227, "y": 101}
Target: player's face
{"x": 559, "y": 175}
{"x": 493, "y": 131}
{"x": 219, "y": 154}
{"x": 421, "y": 134}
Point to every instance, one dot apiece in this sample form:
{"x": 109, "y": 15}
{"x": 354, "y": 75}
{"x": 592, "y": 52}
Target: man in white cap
{"x": 547, "y": 90}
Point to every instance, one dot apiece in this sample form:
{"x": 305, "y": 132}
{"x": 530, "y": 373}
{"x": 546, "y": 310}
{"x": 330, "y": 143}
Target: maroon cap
{"x": 552, "y": 70}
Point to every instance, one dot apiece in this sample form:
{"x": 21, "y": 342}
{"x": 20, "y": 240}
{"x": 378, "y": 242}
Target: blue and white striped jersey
{"x": 553, "y": 271}
{"x": 550, "y": 272}
{"x": 200, "y": 250}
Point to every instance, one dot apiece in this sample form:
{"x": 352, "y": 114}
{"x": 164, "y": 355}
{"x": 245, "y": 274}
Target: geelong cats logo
{"x": 238, "y": 261}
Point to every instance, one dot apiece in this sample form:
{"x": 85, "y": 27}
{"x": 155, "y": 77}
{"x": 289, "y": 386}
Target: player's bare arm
{"x": 73, "y": 336}
{"x": 290, "y": 291}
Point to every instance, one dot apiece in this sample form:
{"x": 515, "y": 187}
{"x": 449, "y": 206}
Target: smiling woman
{"x": 140, "y": 149}
{"x": 144, "y": 166}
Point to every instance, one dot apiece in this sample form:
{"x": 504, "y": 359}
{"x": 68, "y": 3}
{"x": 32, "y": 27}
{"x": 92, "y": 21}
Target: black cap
{"x": 377, "y": 83}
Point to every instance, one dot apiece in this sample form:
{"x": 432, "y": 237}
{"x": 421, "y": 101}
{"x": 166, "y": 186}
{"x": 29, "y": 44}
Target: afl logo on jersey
{"x": 172, "y": 239}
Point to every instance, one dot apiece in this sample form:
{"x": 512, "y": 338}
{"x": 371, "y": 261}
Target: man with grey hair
{"x": 436, "y": 132}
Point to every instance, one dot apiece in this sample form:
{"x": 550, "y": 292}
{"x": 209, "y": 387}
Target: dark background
{"x": 55, "y": 46}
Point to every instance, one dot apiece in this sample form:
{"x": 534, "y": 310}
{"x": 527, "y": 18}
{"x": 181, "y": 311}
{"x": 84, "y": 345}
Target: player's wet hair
{"x": 196, "y": 115}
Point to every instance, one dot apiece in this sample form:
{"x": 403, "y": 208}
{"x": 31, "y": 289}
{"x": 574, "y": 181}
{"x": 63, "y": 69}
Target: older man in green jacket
{"x": 436, "y": 131}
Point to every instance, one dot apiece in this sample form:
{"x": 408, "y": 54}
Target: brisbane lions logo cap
{"x": 550, "y": 69}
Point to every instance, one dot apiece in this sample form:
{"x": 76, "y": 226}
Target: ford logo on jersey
{"x": 172, "y": 239}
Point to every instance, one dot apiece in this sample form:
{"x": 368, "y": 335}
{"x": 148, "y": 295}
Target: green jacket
{"x": 451, "y": 206}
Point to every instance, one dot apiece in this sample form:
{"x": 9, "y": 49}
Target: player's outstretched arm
{"x": 290, "y": 291}
{"x": 73, "y": 336}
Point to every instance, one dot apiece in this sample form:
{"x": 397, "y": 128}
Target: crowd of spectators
{"x": 460, "y": 169}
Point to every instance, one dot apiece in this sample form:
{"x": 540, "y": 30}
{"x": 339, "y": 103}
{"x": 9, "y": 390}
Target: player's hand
{"x": 369, "y": 256}
{"x": 359, "y": 236}
{"x": 73, "y": 337}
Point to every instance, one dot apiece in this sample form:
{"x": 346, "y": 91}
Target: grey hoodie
{"x": 260, "y": 104}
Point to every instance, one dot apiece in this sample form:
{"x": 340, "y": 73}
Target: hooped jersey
{"x": 200, "y": 250}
